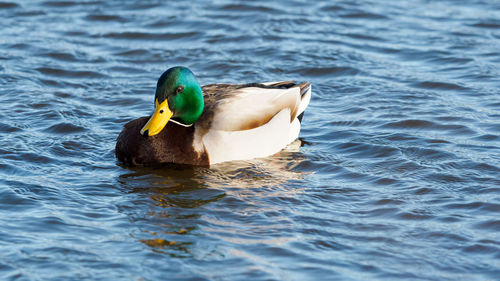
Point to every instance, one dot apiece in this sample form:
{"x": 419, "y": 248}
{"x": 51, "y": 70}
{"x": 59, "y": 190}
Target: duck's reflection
{"x": 177, "y": 197}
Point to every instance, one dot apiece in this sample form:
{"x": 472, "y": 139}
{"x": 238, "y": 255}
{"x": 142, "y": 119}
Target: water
{"x": 397, "y": 176}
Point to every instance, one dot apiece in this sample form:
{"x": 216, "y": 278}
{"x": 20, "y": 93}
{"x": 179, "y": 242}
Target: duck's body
{"x": 237, "y": 122}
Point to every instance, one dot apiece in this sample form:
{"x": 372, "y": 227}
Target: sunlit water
{"x": 397, "y": 176}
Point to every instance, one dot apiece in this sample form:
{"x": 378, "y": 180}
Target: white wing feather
{"x": 225, "y": 141}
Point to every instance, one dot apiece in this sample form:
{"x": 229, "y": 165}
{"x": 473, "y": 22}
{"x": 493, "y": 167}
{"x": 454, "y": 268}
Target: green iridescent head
{"x": 179, "y": 96}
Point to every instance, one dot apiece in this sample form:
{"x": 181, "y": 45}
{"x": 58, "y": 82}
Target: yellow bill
{"x": 159, "y": 119}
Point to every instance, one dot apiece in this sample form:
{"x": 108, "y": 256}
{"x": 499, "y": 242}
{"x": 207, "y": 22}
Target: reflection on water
{"x": 178, "y": 193}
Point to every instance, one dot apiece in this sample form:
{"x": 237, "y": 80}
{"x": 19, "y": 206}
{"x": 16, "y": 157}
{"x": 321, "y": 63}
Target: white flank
{"x": 294, "y": 131}
{"x": 226, "y": 141}
{"x": 242, "y": 145}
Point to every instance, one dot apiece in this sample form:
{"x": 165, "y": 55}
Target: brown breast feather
{"x": 174, "y": 144}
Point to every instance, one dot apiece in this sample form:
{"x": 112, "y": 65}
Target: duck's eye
{"x": 161, "y": 111}
{"x": 179, "y": 89}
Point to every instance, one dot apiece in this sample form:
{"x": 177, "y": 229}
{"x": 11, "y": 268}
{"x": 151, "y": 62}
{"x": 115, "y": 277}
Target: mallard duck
{"x": 215, "y": 123}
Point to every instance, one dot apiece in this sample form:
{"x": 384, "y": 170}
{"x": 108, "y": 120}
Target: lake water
{"x": 396, "y": 178}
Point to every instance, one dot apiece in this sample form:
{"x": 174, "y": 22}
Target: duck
{"x": 206, "y": 125}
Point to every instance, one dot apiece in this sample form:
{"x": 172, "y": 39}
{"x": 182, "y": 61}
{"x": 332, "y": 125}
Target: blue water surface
{"x": 396, "y": 176}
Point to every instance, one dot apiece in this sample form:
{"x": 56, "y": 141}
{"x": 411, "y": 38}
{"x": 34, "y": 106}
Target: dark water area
{"x": 397, "y": 176}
